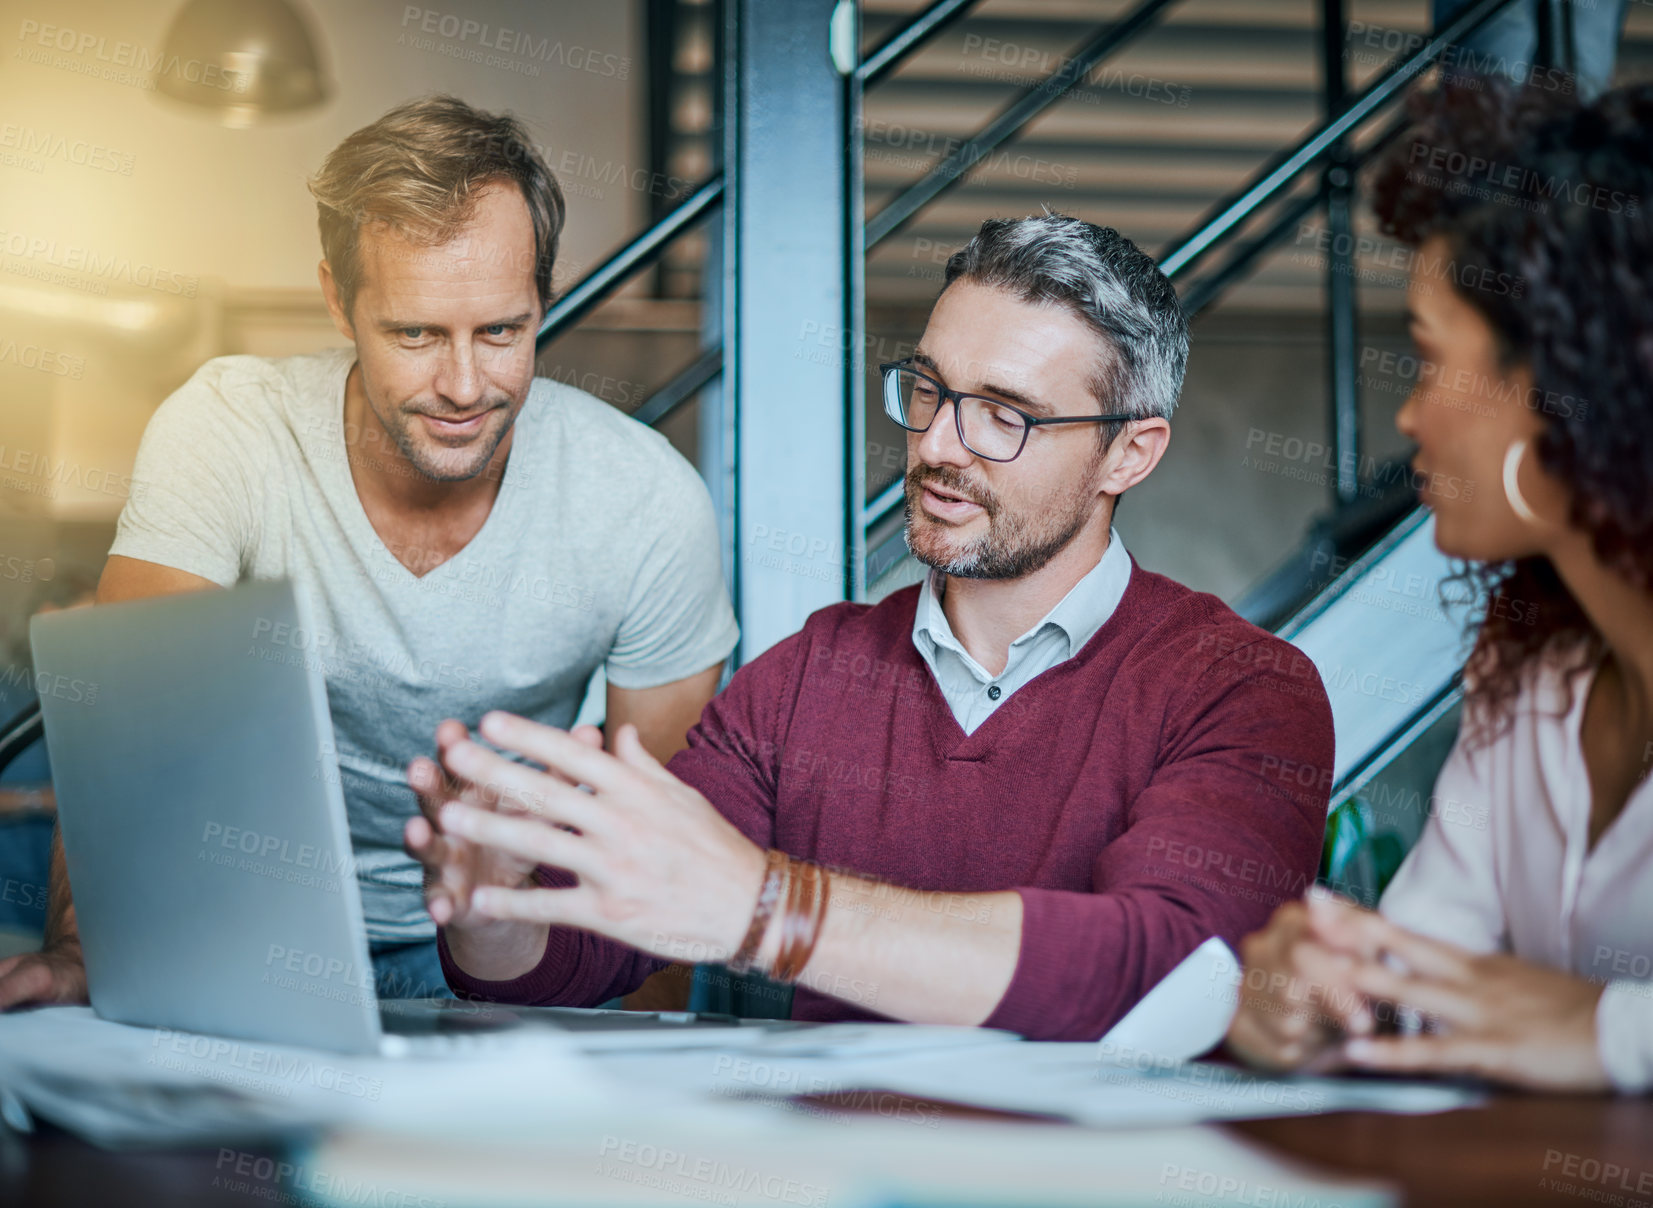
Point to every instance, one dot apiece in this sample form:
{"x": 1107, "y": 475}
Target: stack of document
{"x": 1141, "y": 1073}
{"x": 119, "y": 1086}
{"x": 1084, "y": 1083}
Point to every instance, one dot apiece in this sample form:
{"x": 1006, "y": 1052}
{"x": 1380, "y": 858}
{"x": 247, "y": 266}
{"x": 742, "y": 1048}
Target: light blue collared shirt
{"x": 971, "y": 692}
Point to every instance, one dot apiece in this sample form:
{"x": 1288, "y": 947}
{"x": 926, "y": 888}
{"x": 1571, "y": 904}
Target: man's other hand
{"x": 37, "y": 979}
{"x": 454, "y": 867}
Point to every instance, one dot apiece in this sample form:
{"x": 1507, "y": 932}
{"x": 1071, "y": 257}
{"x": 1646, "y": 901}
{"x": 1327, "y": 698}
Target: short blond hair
{"x": 418, "y": 170}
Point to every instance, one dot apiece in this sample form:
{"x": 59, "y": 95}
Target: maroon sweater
{"x": 1165, "y": 784}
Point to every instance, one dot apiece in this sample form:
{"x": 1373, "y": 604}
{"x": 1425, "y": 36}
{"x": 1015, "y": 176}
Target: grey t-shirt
{"x": 601, "y": 551}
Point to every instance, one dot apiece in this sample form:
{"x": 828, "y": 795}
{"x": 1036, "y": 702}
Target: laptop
{"x": 205, "y": 834}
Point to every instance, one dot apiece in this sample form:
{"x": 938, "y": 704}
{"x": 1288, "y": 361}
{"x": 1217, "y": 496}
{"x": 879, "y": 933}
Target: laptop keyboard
{"x": 448, "y": 1027}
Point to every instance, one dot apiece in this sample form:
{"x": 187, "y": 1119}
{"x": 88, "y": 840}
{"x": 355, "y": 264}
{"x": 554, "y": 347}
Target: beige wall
{"x": 216, "y": 222}
{"x": 225, "y": 203}
{"x": 209, "y": 230}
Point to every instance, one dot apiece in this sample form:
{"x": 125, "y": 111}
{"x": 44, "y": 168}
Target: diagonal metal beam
{"x": 20, "y": 733}
{"x": 886, "y": 554}
{"x": 1210, "y": 285}
{"x": 681, "y": 388}
{"x": 1214, "y": 283}
{"x": 904, "y": 41}
{"x": 885, "y": 502}
{"x": 1033, "y": 101}
{"x": 1229, "y": 214}
{"x": 641, "y": 252}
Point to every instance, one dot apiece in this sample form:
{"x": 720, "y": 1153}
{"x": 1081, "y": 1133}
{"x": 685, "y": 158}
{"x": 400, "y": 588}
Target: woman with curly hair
{"x": 1521, "y": 952}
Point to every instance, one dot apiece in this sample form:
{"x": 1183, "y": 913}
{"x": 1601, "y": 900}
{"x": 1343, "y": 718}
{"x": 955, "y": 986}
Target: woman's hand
{"x": 1496, "y": 1017}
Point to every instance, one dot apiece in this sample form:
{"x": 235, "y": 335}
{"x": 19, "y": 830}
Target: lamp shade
{"x": 242, "y": 59}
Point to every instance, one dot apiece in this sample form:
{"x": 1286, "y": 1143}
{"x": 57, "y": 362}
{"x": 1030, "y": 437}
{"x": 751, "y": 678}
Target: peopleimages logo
{"x": 44, "y": 145}
{"x": 27, "y": 570}
{"x": 282, "y": 1182}
{"x": 1518, "y": 178}
{"x": 701, "y": 1178}
{"x": 44, "y": 360}
{"x": 512, "y": 42}
{"x": 273, "y": 1069}
{"x": 58, "y": 687}
{"x": 119, "y": 62}
{"x": 40, "y": 468}
{"x": 1389, "y": 254}
{"x": 275, "y": 848}
{"x": 73, "y": 258}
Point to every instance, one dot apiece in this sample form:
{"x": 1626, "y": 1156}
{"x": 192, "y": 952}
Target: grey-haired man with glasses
{"x": 1017, "y": 795}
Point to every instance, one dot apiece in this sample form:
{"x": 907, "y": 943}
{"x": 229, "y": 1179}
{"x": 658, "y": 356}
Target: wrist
{"x": 786, "y": 923}
{"x": 67, "y": 946}
{"x": 747, "y": 883}
{"x": 1622, "y": 1040}
{"x": 483, "y": 934}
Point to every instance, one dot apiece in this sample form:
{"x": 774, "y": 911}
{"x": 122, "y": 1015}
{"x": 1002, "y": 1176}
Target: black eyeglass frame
{"x": 889, "y": 368}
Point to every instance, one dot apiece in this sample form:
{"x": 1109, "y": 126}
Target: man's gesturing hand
{"x": 659, "y": 868}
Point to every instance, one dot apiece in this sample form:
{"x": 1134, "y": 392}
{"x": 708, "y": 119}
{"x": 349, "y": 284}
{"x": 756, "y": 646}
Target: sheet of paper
{"x": 1075, "y": 1082}
{"x": 1066, "y": 1081}
{"x": 1187, "y": 1013}
{"x": 839, "y": 1163}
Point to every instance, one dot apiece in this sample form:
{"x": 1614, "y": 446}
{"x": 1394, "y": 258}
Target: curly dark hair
{"x": 1552, "y": 195}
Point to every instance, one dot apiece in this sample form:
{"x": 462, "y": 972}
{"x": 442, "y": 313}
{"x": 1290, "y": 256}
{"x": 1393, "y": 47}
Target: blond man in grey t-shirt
{"x": 471, "y": 537}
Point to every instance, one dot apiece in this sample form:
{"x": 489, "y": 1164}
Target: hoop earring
{"x": 1512, "y": 486}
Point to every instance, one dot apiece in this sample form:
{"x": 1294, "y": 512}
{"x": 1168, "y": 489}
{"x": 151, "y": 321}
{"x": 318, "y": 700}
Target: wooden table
{"x": 1516, "y": 1150}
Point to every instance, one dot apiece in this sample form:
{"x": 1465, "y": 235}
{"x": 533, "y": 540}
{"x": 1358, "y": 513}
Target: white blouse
{"x": 1503, "y": 865}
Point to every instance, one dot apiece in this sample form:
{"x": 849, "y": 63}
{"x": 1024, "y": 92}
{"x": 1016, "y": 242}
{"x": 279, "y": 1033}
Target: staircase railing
{"x": 1224, "y": 222}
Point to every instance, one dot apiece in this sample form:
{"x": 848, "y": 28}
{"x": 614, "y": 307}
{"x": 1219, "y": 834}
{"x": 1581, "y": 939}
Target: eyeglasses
{"x": 990, "y": 429}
